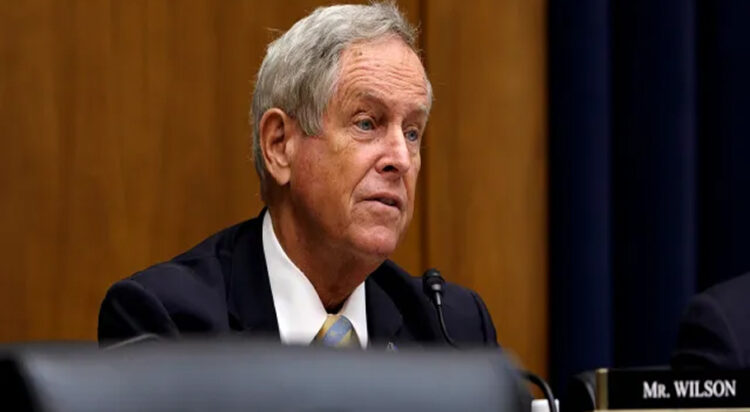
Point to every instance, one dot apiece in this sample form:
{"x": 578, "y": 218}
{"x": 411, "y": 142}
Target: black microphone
{"x": 432, "y": 285}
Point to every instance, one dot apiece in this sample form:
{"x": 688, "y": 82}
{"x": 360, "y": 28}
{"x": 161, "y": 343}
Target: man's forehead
{"x": 415, "y": 103}
{"x": 383, "y": 51}
{"x": 385, "y": 71}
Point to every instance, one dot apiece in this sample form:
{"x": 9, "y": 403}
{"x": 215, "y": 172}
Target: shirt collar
{"x": 299, "y": 311}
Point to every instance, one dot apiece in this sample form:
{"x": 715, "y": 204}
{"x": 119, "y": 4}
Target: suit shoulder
{"x": 713, "y": 330}
{"x": 728, "y": 303}
{"x": 208, "y": 263}
{"x": 732, "y": 293}
{"x": 189, "y": 290}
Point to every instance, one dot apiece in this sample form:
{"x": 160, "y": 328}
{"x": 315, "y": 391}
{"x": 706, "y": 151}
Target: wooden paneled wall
{"x": 125, "y": 140}
{"x": 485, "y": 169}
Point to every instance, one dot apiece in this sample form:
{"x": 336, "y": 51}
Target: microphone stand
{"x": 432, "y": 285}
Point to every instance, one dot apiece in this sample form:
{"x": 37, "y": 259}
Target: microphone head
{"x": 432, "y": 282}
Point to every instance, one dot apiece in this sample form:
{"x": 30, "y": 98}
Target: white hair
{"x": 300, "y": 70}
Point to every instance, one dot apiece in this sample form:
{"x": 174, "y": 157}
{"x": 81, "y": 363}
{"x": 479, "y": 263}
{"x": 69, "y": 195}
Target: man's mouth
{"x": 388, "y": 200}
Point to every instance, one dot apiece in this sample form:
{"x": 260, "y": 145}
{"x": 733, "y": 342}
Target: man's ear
{"x": 276, "y": 131}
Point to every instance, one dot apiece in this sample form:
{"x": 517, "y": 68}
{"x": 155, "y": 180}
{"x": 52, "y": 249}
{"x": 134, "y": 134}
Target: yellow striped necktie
{"x": 337, "y": 331}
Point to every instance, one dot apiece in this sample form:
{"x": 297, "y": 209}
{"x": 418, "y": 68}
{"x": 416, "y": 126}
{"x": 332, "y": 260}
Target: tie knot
{"x": 337, "y": 331}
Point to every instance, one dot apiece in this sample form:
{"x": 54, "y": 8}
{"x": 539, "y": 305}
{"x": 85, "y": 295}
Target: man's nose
{"x": 396, "y": 158}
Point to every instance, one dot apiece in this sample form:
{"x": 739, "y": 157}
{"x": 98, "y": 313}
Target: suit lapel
{"x": 384, "y": 320}
{"x": 250, "y": 301}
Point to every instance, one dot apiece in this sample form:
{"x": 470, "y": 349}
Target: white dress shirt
{"x": 299, "y": 311}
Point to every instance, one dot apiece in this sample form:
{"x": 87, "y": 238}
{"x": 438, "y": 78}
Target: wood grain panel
{"x": 485, "y": 161}
{"x": 125, "y": 136}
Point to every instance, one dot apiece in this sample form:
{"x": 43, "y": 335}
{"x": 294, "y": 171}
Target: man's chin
{"x": 377, "y": 244}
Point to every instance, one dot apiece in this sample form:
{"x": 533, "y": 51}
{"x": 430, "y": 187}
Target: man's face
{"x": 354, "y": 183}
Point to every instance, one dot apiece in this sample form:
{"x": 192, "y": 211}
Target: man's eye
{"x": 365, "y": 124}
{"x": 412, "y": 135}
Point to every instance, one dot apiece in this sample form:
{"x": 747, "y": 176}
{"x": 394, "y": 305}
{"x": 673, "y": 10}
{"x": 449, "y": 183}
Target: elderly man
{"x": 339, "y": 109}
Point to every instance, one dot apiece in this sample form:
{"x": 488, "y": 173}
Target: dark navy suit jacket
{"x": 221, "y": 287}
{"x": 715, "y": 329}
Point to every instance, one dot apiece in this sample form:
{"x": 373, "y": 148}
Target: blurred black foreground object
{"x": 232, "y": 376}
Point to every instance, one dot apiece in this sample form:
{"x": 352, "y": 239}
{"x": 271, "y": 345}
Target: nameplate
{"x": 666, "y": 389}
